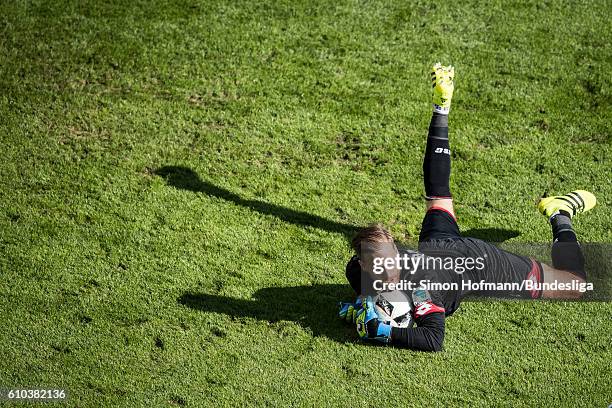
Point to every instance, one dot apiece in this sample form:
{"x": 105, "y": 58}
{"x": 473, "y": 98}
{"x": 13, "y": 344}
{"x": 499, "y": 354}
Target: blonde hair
{"x": 374, "y": 233}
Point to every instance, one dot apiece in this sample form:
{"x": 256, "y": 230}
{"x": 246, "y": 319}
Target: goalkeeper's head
{"x": 372, "y": 246}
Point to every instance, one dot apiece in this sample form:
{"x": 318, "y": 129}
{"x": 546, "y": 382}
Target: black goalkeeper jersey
{"x": 452, "y": 267}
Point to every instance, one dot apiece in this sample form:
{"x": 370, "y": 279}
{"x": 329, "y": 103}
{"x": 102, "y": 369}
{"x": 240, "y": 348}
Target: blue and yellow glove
{"x": 348, "y": 311}
{"x": 369, "y": 325}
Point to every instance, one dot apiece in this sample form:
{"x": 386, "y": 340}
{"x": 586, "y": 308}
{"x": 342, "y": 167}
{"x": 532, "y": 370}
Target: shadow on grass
{"x": 312, "y": 307}
{"x": 186, "y": 179}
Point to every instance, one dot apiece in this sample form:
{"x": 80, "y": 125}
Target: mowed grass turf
{"x": 179, "y": 182}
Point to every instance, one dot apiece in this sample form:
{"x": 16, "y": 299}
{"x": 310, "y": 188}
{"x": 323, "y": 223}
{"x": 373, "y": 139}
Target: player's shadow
{"x": 313, "y": 307}
{"x": 186, "y": 179}
{"x": 490, "y": 234}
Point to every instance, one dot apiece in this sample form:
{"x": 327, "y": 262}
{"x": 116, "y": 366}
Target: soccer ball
{"x": 394, "y": 308}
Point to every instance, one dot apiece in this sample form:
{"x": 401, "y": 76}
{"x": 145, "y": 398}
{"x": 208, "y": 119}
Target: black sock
{"x": 437, "y": 161}
{"x": 562, "y": 228}
{"x": 438, "y": 126}
{"x": 566, "y": 252}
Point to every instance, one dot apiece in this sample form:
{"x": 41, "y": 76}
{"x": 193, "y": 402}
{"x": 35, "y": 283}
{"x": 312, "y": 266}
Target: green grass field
{"x": 179, "y": 181}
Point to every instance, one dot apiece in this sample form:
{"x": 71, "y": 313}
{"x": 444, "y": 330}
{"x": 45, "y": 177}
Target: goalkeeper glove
{"x": 348, "y": 311}
{"x": 369, "y": 325}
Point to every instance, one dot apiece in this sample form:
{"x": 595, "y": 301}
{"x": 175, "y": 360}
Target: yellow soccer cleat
{"x": 442, "y": 82}
{"x": 573, "y": 203}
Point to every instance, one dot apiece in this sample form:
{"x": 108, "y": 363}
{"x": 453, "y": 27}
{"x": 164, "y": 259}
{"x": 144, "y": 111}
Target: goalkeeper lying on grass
{"x": 368, "y": 273}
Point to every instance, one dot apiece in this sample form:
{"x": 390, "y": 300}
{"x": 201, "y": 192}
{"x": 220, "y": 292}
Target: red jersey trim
{"x": 434, "y": 208}
{"x": 537, "y": 276}
{"x": 426, "y": 308}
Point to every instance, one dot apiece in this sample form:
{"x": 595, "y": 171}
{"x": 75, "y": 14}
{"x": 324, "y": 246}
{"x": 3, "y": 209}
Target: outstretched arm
{"x": 427, "y": 336}
{"x": 437, "y": 160}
